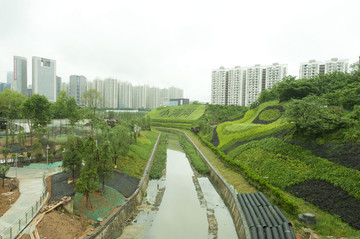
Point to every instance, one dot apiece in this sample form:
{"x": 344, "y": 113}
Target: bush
{"x": 270, "y": 115}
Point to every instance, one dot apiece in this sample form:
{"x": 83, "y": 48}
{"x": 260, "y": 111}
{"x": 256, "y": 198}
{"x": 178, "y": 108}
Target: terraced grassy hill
{"x": 260, "y": 145}
{"x": 176, "y": 116}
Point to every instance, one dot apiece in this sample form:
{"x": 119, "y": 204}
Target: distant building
{"x": 10, "y": 77}
{"x": 111, "y": 93}
{"x": 58, "y": 86}
{"x": 77, "y": 88}
{"x": 125, "y": 90}
{"x": 44, "y": 77}
{"x": 177, "y": 102}
{"x": 242, "y": 85}
{"x": 19, "y": 83}
{"x": 4, "y": 86}
{"x": 312, "y": 68}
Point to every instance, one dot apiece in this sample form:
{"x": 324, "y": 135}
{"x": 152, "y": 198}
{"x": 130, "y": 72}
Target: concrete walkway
{"x": 31, "y": 189}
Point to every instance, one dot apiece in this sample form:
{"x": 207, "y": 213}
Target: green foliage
{"x": 195, "y": 159}
{"x": 256, "y": 180}
{"x": 37, "y": 108}
{"x": 270, "y": 115}
{"x": 314, "y": 117}
{"x": 72, "y": 159}
{"x": 181, "y": 114}
{"x": 36, "y": 149}
{"x": 5, "y": 151}
{"x": 268, "y": 95}
{"x": 287, "y": 164}
{"x": 134, "y": 164}
{"x": 159, "y": 163}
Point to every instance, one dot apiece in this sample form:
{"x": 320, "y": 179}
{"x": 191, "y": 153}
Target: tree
{"x": 88, "y": 181}
{"x": 10, "y": 102}
{"x": 314, "y": 117}
{"x": 105, "y": 167}
{"x": 60, "y": 111}
{"x": 72, "y": 111}
{"x": 3, "y": 170}
{"x": 72, "y": 160}
{"x": 119, "y": 139}
{"x": 93, "y": 99}
{"x": 5, "y": 152}
{"x": 37, "y": 110}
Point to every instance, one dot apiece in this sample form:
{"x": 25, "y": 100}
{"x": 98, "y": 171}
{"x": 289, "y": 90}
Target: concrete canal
{"x": 181, "y": 205}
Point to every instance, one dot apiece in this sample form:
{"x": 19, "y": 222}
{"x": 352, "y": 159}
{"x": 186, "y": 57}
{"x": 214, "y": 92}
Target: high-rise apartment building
{"x": 99, "y": 86}
{"x": 19, "y": 83}
{"x": 153, "y": 98}
{"x": 139, "y": 96}
{"x": 111, "y": 93}
{"x": 44, "y": 77}
{"x": 312, "y": 68}
{"x": 125, "y": 94}
{"x": 242, "y": 85}
{"x": 77, "y": 88}
{"x": 175, "y": 93}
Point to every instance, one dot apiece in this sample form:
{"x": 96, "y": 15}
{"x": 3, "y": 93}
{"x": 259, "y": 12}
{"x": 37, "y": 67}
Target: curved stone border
{"x": 114, "y": 223}
{"x": 227, "y": 193}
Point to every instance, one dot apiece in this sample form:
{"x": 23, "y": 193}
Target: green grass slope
{"x": 176, "y": 116}
{"x": 244, "y": 129}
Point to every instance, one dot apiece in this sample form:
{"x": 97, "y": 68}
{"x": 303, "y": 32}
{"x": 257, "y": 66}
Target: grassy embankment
{"x": 134, "y": 164}
{"x": 176, "y": 116}
{"x": 273, "y": 165}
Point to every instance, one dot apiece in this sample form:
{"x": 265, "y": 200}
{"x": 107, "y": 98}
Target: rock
{"x": 307, "y": 218}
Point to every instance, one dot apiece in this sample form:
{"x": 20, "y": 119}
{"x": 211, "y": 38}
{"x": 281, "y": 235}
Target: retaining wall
{"x": 113, "y": 225}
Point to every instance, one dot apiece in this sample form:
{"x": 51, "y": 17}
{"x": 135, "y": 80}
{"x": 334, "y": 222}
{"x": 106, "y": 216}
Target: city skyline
{"x": 153, "y": 43}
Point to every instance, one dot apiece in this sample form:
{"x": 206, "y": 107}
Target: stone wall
{"x": 114, "y": 224}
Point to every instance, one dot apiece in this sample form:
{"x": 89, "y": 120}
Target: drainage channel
{"x": 180, "y": 205}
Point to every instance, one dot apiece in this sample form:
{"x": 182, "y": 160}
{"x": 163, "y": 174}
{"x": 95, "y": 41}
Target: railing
{"x": 19, "y": 224}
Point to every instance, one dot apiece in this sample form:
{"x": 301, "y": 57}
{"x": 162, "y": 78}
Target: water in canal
{"x": 181, "y": 205}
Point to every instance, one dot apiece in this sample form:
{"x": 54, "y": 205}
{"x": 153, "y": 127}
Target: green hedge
{"x": 159, "y": 163}
{"x": 172, "y": 125}
{"x": 256, "y": 180}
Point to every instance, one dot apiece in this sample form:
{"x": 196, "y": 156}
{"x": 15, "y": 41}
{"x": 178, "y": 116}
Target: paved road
{"x": 31, "y": 188}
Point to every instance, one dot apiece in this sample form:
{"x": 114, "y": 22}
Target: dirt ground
{"x": 6, "y": 195}
{"x": 58, "y": 224}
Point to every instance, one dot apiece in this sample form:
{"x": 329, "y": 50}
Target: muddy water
{"x": 181, "y": 206}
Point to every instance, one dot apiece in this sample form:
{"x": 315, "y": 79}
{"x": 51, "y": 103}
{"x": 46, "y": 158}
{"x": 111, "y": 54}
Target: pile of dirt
{"x": 329, "y": 198}
{"x": 58, "y": 225}
{"x": 6, "y": 195}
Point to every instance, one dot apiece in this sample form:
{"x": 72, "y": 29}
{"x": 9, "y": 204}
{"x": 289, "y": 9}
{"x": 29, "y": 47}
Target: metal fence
{"x": 19, "y": 224}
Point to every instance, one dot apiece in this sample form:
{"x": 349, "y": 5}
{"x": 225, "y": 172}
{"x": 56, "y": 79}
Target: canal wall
{"x": 114, "y": 224}
{"x": 227, "y": 193}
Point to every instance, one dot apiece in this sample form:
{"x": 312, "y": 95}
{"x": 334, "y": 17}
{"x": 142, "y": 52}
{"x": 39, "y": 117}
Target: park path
{"x": 31, "y": 187}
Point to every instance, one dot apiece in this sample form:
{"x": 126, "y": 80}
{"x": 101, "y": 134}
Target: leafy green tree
{"x": 60, "y": 107}
{"x": 36, "y": 149}
{"x": 105, "y": 167}
{"x": 5, "y": 152}
{"x": 72, "y": 111}
{"x": 10, "y": 102}
{"x": 37, "y": 110}
{"x": 72, "y": 159}
{"x": 314, "y": 117}
{"x": 89, "y": 177}
{"x": 119, "y": 138}
{"x": 93, "y": 99}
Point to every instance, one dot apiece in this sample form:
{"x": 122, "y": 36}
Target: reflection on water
{"x": 226, "y": 228}
{"x": 180, "y": 214}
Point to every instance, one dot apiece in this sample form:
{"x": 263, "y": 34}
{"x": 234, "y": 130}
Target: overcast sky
{"x": 167, "y": 43}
